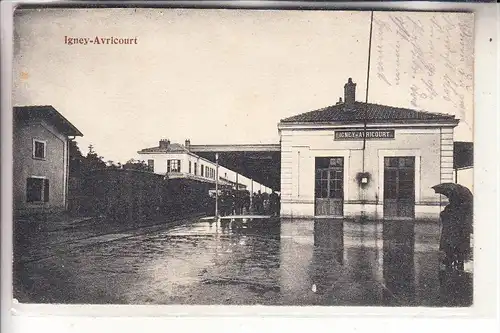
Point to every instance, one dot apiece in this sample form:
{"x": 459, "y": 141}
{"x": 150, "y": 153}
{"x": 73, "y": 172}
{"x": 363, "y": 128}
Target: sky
{"x": 229, "y": 76}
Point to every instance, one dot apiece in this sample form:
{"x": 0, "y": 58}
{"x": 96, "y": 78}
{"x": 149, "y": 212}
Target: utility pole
{"x": 367, "y": 86}
{"x": 363, "y": 191}
{"x": 216, "y": 185}
{"x": 251, "y": 193}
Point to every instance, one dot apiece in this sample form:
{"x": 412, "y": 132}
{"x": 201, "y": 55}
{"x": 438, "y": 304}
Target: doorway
{"x": 399, "y": 187}
{"x": 329, "y": 186}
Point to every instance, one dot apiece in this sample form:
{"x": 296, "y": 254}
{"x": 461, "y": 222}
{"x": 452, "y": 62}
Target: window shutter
{"x": 46, "y": 190}
{"x": 179, "y": 167}
{"x": 34, "y": 188}
{"x": 151, "y": 165}
{"x": 30, "y": 189}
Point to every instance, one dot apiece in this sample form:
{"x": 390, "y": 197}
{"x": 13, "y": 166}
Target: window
{"x": 173, "y": 165}
{"x": 329, "y": 180}
{"x": 151, "y": 165}
{"x": 399, "y": 177}
{"x": 336, "y": 162}
{"x": 39, "y": 149}
{"x": 189, "y": 166}
{"x": 37, "y": 189}
{"x": 201, "y": 171}
{"x": 195, "y": 169}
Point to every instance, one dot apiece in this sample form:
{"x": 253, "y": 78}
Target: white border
{"x": 480, "y": 319}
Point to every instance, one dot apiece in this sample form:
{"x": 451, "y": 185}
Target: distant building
{"x": 174, "y": 160}
{"x": 463, "y": 158}
{"x": 41, "y": 159}
{"x": 334, "y": 165}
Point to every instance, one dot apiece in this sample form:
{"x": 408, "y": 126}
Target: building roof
{"x": 463, "y": 155}
{"x": 49, "y": 113}
{"x": 170, "y": 148}
{"x": 355, "y": 112}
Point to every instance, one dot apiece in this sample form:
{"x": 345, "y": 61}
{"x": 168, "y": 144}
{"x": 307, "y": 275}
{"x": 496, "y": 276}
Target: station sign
{"x": 360, "y": 134}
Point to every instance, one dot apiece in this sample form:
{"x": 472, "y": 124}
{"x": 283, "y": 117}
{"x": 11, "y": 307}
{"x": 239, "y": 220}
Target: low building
{"x": 356, "y": 158}
{"x": 175, "y": 160}
{"x": 41, "y": 159}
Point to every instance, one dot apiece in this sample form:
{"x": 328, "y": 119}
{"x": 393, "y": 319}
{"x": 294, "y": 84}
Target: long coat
{"x": 456, "y": 222}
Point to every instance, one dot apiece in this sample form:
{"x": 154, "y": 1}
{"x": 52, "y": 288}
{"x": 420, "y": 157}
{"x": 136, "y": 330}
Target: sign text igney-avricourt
{"x": 359, "y": 134}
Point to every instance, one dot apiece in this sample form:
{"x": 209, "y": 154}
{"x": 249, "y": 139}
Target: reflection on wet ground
{"x": 261, "y": 261}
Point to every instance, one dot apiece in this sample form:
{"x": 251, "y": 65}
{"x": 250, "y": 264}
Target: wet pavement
{"x": 260, "y": 261}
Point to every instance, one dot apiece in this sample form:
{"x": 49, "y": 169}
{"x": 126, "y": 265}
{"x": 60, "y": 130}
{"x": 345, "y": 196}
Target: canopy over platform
{"x": 260, "y": 162}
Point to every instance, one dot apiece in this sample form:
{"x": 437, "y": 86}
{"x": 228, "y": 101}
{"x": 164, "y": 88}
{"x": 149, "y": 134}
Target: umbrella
{"x": 454, "y": 192}
{"x": 462, "y": 201}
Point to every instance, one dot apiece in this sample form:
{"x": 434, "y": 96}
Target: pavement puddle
{"x": 103, "y": 238}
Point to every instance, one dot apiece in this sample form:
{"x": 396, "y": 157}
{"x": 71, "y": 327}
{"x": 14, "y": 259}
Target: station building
{"x": 356, "y": 158}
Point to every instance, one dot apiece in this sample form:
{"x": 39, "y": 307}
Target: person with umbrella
{"x": 456, "y": 221}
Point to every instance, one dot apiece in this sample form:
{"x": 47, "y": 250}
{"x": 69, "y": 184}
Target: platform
{"x": 231, "y": 217}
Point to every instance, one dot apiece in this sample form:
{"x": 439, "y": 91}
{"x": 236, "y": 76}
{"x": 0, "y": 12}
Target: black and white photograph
{"x": 180, "y": 156}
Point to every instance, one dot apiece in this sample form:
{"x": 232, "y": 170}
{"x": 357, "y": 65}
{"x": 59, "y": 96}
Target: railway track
{"x": 50, "y": 250}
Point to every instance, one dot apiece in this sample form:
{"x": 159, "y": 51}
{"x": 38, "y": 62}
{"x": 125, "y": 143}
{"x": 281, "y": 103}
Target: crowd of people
{"x": 232, "y": 202}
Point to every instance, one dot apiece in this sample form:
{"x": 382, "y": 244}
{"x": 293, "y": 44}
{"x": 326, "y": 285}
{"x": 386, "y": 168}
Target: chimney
{"x": 350, "y": 92}
{"x": 187, "y": 144}
{"x": 164, "y": 143}
{"x": 340, "y": 101}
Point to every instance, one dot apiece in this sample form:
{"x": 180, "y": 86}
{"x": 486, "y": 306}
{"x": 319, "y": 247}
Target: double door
{"x": 329, "y": 186}
{"x": 399, "y": 187}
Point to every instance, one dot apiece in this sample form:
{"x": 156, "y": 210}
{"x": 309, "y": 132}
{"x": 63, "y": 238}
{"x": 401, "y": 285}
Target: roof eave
{"x": 71, "y": 131}
{"x": 162, "y": 151}
{"x": 438, "y": 122}
{"x": 75, "y": 132}
{"x": 151, "y": 152}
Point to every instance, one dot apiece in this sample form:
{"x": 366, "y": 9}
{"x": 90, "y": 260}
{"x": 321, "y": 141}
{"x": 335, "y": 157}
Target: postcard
{"x": 169, "y": 156}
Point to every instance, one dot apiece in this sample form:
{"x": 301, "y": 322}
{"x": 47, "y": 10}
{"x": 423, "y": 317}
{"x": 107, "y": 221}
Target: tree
{"x": 133, "y": 164}
{"x": 79, "y": 165}
{"x": 75, "y": 160}
{"x": 93, "y": 161}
